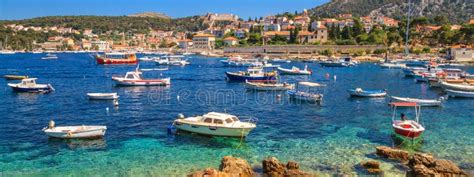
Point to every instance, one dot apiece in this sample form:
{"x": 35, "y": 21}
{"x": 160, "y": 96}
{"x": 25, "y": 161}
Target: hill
{"x": 102, "y": 24}
{"x": 458, "y": 11}
{"x": 150, "y": 14}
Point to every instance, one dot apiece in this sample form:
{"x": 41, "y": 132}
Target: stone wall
{"x": 301, "y": 49}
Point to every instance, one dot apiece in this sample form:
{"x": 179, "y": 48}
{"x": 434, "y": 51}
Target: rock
{"x": 392, "y": 153}
{"x": 234, "y": 165}
{"x": 209, "y": 172}
{"x": 372, "y": 166}
{"x": 426, "y": 165}
{"x": 273, "y": 168}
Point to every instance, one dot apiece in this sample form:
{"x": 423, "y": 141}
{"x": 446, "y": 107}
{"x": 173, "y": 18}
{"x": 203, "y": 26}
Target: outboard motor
{"x": 180, "y": 116}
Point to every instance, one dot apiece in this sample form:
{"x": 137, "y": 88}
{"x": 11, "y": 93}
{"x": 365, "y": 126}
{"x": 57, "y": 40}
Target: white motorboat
{"x": 279, "y": 60}
{"x": 294, "y": 71}
{"x": 459, "y": 94}
{"x": 102, "y": 96}
{"x": 391, "y": 65}
{"x": 68, "y": 132}
{"x": 367, "y": 93}
{"x": 175, "y": 60}
{"x": 135, "y": 78}
{"x": 240, "y": 62}
{"x": 460, "y": 87}
{"x": 215, "y": 124}
{"x": 148, "y": 58}
{"x": 29, "y": 85}
{"x": 49, "y": 57}
{"x": 420, "y": 102}
{"x": 261, "y": 86}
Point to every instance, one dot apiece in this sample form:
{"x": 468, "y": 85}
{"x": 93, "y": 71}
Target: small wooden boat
{"x": 135, "y": 78}
{"x": 253, "y": 74}
{"x": 367, "y": 93}
{"x": 459, "y": 94}
{"x": 261, "y": 86}
{"x": 407, "y": 128}
{"x": 216, "y": 124}
{"x": 69, "y": 132}
{"x": 294, "y": 71}
{"x": 14, "y": 77}
{"x": 420, "y": 102}
{"x": 102, "y": 96}
{"x": 29, "y": 85}
{"x": 116, "y": 58}
{"x": 307, "y": 95}
{"x": 457, "y": 86}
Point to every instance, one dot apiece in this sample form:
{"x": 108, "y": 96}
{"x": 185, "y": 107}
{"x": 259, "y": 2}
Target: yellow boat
{"x": 14, "y": 77}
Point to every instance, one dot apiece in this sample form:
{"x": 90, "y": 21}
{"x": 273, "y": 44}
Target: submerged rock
{"x": 372, "y": 166}
{"x": 426, "y": 165}
{"x": 392, "y": 153}
{"x": 273, "y": 168}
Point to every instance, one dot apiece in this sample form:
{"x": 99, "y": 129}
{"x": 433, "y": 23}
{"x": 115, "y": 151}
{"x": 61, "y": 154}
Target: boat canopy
{"x": 311, "y": 84}
{"x": 404, "y": 104}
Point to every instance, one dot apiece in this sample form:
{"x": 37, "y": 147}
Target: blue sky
{"x": 21, "y": 9}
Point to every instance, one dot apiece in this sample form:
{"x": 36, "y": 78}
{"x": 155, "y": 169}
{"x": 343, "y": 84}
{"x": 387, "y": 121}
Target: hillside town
{"x": 227, "y": 31}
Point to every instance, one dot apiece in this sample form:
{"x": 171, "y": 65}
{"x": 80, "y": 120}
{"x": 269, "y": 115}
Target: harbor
{"x": 330, "y": 138}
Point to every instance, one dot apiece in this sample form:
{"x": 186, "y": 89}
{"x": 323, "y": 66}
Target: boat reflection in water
{"x": 94, "y": 144}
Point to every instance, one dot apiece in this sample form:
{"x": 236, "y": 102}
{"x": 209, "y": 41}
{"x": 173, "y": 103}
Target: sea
{"x": 328, "y": 139}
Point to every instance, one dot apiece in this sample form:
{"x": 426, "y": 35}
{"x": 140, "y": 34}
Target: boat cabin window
{"x": 218, "y": 121}
{"x": 228, "y": 120}
{"x": 208, "y": 120}
{"x": 130, "y": 76}
{"x": 235, "y": 119}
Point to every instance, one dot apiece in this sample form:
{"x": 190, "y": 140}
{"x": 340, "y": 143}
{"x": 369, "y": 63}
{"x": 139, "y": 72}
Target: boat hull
{"x": 364, "y": 93}
{"x": 108, "y": 61}
{"x": 213, "y": 130}
{"x": 460, "y": 94}
{"x": 40, "y": 89}
{"x": 274, "y": 87}
{"x": 154, "y": 82}
{"x": 459, "y": 87}
{"x": 326, "y": 64}
{"x": 92, "y": 133}
{"x": 406, "y": 133}
{"x": 284, "y": 71}
{"x": 305, "y": 97}
{"x": 93, "y": 96}
{"x": 420, "y": 102}
{"x": 240, "y": 78}
{"x": 14, "y": 77}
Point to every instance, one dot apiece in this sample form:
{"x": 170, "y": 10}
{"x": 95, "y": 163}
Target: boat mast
{"x": 408, "y": 28}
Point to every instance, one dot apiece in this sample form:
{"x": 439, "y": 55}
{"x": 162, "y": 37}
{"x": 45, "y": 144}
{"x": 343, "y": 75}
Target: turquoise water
{"x": 328, "y": 139}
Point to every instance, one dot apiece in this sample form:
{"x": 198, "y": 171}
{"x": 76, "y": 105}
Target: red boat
{"x": 116, "y": 58}
{"x": 407, "y": 128}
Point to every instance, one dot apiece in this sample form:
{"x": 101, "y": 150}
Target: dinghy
{"x": 29, "y": 85}
{"x": 268, "y": 86}
{"x": 68, "y": 132}
{"x": 294, "y": 71}
{"x": 420, "y": 102}
{"x": 407, "y": 128}
{"x": 459, "y": 94}
{"x": 14, "y": 77}
{"x": 215, "y": 124}
{"x": 367, "y": 93}
{"x": 102, "y": 96}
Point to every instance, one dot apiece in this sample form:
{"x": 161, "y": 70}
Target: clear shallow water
{"x": 329, "y": 139}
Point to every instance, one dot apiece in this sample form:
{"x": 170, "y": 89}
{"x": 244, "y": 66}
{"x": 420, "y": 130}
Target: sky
{"x": 22, "y": 9}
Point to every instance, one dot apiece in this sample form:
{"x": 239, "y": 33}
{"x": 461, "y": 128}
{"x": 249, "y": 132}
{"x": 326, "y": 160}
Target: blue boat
{"x": 252, "y": 75}
{"x": 367, "y": 93}
{"x": 29, "y": 85}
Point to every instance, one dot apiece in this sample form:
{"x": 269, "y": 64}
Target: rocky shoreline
{"x": 417, "y": 164}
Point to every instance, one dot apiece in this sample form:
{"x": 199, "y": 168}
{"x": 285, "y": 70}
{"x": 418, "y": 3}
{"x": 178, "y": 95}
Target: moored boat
{"x": 238, "y": 61}
{"x": 116, "y": 58}
{"x": 457, "y": 86}
{"x": 261, "y": 86}
{"x": 253, "y": 74}
{"x": 307, "y": 95}
{"x": 367, "y": 93}
{"x": 459, "y": 94}
{"x": 294, "y": 71}
{"x": 49, "y": 56}
{"x": 135, "y": 78}
{"x": 29, "y": 85}
{"x": 407, "y": 128}
{"x": 69, "y": 132}
{"x": 216, "y": 124}
{"x": 174, "y": 60}
{"x": 14, "y": 77}
{"x": 420, "y": 102}
{"x": 391, "y": 65}
{"x": 102, "y": 96}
